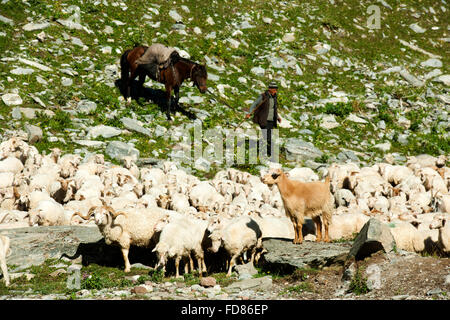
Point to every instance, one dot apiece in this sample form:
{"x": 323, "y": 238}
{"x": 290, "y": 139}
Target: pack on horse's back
{"x": 161, "y": 64}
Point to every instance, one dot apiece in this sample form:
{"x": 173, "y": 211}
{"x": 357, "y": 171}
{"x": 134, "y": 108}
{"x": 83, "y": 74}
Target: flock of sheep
{"x": 180, "y": 217}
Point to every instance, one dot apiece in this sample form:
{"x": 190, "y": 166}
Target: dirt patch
{"x": 396, "y": 276}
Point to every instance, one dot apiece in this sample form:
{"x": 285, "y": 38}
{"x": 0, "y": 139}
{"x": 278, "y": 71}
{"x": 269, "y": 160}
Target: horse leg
{"x": 169, "y": 101}
{"x": 130, "y": 80}
{"x": 176, "y": 90}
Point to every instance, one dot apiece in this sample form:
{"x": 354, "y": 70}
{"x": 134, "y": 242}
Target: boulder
{"x": 288, "y": 256}
{"x": 373, "y": 237}
{"x": 118, "y": 150}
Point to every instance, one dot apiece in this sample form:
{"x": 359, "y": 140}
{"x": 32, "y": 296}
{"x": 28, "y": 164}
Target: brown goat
{"x": 310, "y": 199}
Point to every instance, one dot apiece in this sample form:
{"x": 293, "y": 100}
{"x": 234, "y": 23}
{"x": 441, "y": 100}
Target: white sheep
{"x": 11, "y": 164}
{"x": 236, "y": 237}
{"x": 345, "y": 226}
{"x": 444, "y": 236}
{"x": 5, "y": 251}
{"x": 406, "y": 236}
{"x": 205, "y": 197}
{"x": 179, "y": 238}
{"x": 48, "y": 213}
{"x": 394, "y": 174}
{"x": 303, "y": 174}
{"x": 127, "y": 227}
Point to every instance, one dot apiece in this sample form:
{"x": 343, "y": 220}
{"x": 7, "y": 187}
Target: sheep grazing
{"x": 236, "y": 236}
{"x": 311, "y": 199}
{"x": 5, "y": 251}
{"x": 127, "y": 227}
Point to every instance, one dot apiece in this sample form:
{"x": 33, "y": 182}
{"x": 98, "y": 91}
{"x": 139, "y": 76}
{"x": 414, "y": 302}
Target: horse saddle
{"x": 156, "y": 58}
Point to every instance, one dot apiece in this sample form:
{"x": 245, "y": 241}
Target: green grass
{"x": 342, "y": 25}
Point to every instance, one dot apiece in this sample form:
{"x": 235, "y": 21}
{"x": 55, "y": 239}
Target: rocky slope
{"x": 348, "y": 91}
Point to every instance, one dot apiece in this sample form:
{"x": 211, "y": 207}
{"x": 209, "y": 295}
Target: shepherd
{"x": 265, "y": 114}
{"x": 161, "y": 64}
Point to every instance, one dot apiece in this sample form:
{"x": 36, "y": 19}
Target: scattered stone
{"x": 139, "y": 290}
{"x": 207, "y": 282}
{"x": 175, "y": 16}
{"x": 445, "y": 79}
{"x": 373, "y": 237}
{"x": 35, "y": 26}
{"x": 103, "y": 131}
{"x": 135, "y": 125}
{"x": 12, "y": 99}
{"x": 411, "y": 79}
{"x": 298, "y": 150}
{"x": 118, "y": 149}
{"x": 289, "y": 37}
{"x": 258, "y": 71}
{"x": 384, "y": 147}
{"x": 58, "y": 272}
{"x": 245, "y": 271}
{"x": 263, "y": 283}
{"x": 86, "y": 106}
{"x": 22, "y": 71}
{"x": 416, "y": 28}
{"x": 34, "y": 133}
{"x": 432, "y": 62}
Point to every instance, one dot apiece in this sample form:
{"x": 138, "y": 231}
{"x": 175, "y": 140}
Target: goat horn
{"x": 86, "y": 217}
{"x": 113, "y": 212}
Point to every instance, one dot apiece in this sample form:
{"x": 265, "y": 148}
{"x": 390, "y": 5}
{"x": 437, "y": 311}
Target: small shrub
{"x": 339, "y": 109}
{"x": 156, "y": 275}
{"x": 358, "y": 284}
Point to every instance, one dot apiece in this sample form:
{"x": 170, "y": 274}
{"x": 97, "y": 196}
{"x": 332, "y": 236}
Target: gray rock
{"x": 66, "y": 82}
{"x": 432, "y": 62}
{"x": 308, "y": 254}
{"x": 384, "y": 147}
{"x": 245, "y": 271}
{"x": 416, "y": 28}
{"x": 34, "y": 133}
{"x": 12, "y": 99}
{"x": 16, "y": 114}
{"x": 288, "y": 37}
{"x": 175, "y": 16}
{"x": 22, "y": 71}
{"x": 202, "y": 164}
{"x": 258, "y": 71}
{"x": 263, "y": 283}
{"x": 278, "y": 63}
{"x": 86, "y": 106}
{"x": 411, "y": 79}
{"x": 35, "y": 26}
{"x": 373, "y": 237}
{"x": 445, "y": 79}
{"x": 134, "y": 125}
{"x": 6, "y": 20}
{"x": 34, "y": 245}
{"x": 118, "y": 149}
{"x": 104, "y": 131}
{"x": 299, "y": 150}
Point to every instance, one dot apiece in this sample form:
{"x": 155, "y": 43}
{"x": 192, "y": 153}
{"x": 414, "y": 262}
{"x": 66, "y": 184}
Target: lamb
{"x": 127, "y": 227}
{"x": 5, "y": 251}
{"x": 236, "y": 236}
{"x": 180, "y": 237}
{"x": 311, "y": 199}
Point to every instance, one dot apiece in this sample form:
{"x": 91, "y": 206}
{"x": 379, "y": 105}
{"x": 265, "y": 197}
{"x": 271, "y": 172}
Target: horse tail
{"x": 124, "y": 69}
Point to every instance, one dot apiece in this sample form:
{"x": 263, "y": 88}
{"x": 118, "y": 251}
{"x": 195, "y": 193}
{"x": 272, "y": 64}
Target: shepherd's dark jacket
{"x": 260, "y": 116}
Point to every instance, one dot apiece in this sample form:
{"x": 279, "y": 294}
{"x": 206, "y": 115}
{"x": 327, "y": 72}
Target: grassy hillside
{"x": 333, "y": 66}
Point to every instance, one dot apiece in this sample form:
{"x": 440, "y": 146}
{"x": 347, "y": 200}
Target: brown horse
{"x": 172, "y": 76}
